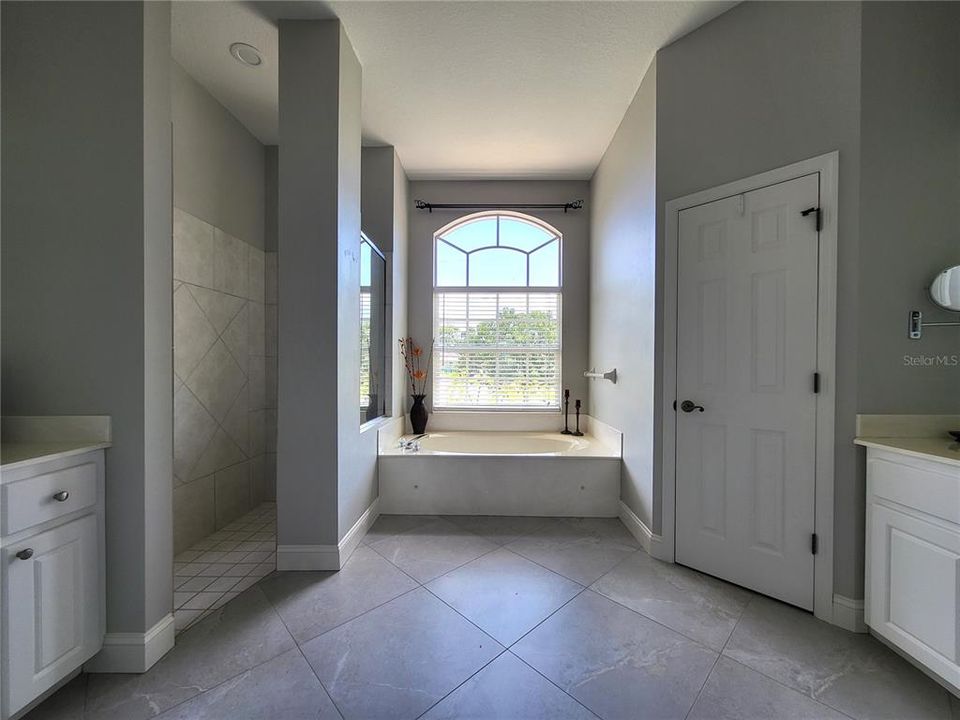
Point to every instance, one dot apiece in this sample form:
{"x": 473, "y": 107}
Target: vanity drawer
{"x": 40, "y": 498}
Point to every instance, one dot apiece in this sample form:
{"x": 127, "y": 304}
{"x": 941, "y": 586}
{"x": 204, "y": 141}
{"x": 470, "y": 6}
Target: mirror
{"x": 373, "y": 310}
{"x": 945, "y": 289}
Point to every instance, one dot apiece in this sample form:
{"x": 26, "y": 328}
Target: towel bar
{"x": 611, "y": 376}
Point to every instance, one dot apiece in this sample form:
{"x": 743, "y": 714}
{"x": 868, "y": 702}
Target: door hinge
{"x": 819, "y": 216}
{"x": 814, "y": 544}
{"x": 816, "y": 382}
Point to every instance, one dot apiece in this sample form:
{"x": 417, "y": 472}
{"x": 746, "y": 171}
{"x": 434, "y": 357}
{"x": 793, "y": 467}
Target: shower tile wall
{"x": 220, "y": 379}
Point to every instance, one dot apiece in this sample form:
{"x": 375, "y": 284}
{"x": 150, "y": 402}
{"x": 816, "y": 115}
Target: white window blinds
{"x": 497, "y": 350}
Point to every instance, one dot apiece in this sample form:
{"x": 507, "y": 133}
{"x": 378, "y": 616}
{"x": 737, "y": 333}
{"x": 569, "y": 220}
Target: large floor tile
{"x": 311, "y": 603}
{"x": 65, "y": 704}
{"x": 433, "y": 549}
{"x": 735, "y": 692}
{"x": 698, "y": 606}
{"x": 504, "y": 594}
{"x": 580, "y": 549}
{"x": 390, "y": 525}
{"x": 284, "y": 687}
{"x": 398, "y": 660}
{"x": 498, "y": 530}
{"x": 852, "y": 673}
{"x": 507, "y": 689}
{"x": 615, "y": 661}
{"x": 238, "y": 636}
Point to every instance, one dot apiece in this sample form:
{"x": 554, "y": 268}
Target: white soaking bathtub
{"x": 501, "y": 473}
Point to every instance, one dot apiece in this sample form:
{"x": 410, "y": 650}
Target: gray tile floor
{"x": 514, "y": 618}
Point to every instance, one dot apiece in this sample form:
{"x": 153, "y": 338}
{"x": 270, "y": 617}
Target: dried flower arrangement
{"x": 417, "y": 371}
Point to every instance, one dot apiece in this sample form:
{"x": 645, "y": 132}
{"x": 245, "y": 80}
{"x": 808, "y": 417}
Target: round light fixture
{"x": 247, "y": 54}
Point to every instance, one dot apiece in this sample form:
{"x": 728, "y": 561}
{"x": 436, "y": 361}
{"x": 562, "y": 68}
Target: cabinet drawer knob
{"x": 25, "y": 554}
{"x": 61, "y": 496}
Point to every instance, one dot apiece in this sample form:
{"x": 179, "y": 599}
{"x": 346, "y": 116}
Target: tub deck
{"x": 492, "y": 473}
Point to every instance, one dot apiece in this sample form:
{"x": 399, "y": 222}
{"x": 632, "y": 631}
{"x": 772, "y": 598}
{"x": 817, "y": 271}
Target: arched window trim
{"x": 556, "y": 236}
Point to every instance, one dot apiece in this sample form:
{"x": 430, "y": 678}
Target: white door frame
{"x": 828, "y": 167}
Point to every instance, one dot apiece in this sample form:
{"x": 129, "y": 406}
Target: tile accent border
{"x": 328, "y": 557}
{"x": 848, "y": 614}
{"x": 133, "y": 652}
{"x": 650, "y": 541}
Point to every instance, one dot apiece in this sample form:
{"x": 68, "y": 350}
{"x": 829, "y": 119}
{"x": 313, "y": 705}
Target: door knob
{"x": 25, "y": 554}
{"x": 61, "y": 496}
{"x": 689, "y": 406}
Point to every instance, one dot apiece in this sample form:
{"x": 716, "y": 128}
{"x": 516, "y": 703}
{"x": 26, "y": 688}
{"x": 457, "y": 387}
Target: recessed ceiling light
{"x": 247, "y": 54}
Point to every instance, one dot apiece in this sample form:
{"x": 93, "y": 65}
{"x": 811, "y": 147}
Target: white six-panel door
{"x": 746, "y": 354}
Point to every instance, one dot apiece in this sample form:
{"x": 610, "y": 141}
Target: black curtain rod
{"x": 430, "y": 207}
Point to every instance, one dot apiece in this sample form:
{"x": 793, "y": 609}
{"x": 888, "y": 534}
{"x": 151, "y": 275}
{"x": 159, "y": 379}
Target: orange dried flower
{"x": 417, "y": 351}
{"x": 419, "y": 375}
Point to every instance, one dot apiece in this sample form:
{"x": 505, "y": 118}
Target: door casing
{"x": 828, "y": 168}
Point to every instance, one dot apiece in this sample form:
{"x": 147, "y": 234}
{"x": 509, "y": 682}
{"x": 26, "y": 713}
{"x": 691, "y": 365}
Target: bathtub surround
{"x": 87, "y": 267}
{"x": 503, "y": 473}
{"x": 220, "y": 379}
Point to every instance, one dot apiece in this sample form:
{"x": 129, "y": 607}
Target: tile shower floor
{"x": 223, "y": 565}
{"x": 513, "y": 618}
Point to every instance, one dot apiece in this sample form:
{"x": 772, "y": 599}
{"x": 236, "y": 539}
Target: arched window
{"x": 497, "y": 324}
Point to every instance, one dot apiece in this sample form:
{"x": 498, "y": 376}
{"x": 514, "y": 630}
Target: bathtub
{"x": 502, "y": 473}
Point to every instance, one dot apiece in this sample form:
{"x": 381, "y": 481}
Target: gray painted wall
{"x": 764, "y": 85}
{"x": 909, "y": 201}
{"x": 376, "y": 197}
{"x": 768, "y": 84}
{"x": 574, "y": 225}
{"x": 384, "y": 213}
{"x": 622, "y": 291}
{"x": 87, "y": 260}
{"x": 326, "y": 469}
{"x": 399, "y": 263}
{"x": 219, "y": 165}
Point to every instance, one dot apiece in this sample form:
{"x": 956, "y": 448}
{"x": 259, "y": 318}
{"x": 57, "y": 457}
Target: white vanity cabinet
{"x": 913, "y": 557}
{"x": 51, "y": 573}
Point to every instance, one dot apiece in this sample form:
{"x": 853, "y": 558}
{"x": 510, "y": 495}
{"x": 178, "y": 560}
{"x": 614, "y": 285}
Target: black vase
{"x": 418, "y": 415}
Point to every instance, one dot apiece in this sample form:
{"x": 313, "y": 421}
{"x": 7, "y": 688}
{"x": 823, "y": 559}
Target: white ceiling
{"x": 461, "y": 89}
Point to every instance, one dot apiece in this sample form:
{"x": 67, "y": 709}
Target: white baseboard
{"x": 328, "y": 557}
{"x": 648, "y": 540}
{"x": 848, "y": 614}
{"x": 133, "y": 652}
{"x": 355, "y": 534}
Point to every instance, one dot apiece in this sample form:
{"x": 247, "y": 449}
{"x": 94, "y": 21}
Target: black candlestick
{"x": 577, "y": 431}
{"x": 566, "y": 413}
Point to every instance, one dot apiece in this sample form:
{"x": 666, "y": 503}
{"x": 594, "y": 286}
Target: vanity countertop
{"x": 21, "y": 454}
{"x": 939, "y": 449}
